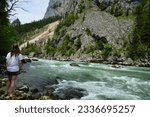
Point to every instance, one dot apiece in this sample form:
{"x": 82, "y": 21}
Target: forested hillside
{"x": 23, "y": 29}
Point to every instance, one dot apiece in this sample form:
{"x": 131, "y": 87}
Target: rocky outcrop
{"x": 102, "y": 27}
{"x": 66, "y": 92}
{"x": 16, "y": 22}
{"x": 69, "y": 93}
{"x": 117, "y": 7}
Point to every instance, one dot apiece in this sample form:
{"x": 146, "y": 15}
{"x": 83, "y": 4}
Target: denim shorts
{"x": 12, "y": 73}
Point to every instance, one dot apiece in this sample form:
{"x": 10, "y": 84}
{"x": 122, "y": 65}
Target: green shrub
{"x": 118, "y": 11}
{"x": 65, "y": 46}
{"x": 78, "y": 44}
{"x": 118, "y": 52}
{"x": 81, "y": 7}
{"x": 107, "y": 50}
{"x": 31, "y": 48}
{"x": 66, "y": 22}
{"x": 90, "y": 49}
{"x": 88, "y": 32}
{"x": 50, "y": 47}
{"x": 137, "y": 51}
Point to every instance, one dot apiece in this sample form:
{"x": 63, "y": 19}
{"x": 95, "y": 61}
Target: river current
{"x": 100, "y": 80}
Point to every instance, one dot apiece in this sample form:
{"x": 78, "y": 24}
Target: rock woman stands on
{"x": 14, "y": 65}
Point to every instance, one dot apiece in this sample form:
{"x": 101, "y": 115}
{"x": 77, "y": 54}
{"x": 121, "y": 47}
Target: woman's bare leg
{"x": 8, "y": 85}
{"x": 12, "y": 85}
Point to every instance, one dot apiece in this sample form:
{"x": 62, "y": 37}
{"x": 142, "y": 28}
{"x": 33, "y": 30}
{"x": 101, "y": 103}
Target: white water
{"x": 101, "y": 81}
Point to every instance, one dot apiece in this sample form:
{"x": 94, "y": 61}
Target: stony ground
{"x": 22, "y": 93}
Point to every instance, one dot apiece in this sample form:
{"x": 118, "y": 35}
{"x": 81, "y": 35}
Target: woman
{"x": 14, "y": 66}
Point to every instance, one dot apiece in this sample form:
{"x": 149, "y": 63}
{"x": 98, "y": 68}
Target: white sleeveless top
{"x": 13, "y": 62}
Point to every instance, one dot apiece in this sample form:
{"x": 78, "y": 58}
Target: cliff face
{"x": 61, "y": 7}
{"x": 101, "y": 25}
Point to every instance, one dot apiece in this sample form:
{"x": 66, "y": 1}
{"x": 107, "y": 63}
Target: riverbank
{"x": 110, "y": 60}
{"x": 67, "y": 80}
{"x": 24, "y": 92}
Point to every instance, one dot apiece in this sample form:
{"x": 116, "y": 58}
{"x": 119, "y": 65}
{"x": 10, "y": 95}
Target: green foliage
{"x": 90, "y": 2}
{"x": 69, "y": 46}
{"x": 107, "y": 50}
{"x": 99, "y": 41}
{"x": 118, "y": 11}
{"x": 97, "y": 3}
{"x": 7, "y": 38}
{"x": 31, "y": 48}
{"x": 50, "y": 47}
{"x": 137, "y": 51}
{"x": 81, "y": 6}
{"x": 78, "y": 44}
{"x": 3, "y": 13}
{"x": 112, "y": 10}
{"x": 90, "y": 49}
{"x": 66, "y": 46}
{"x": 103, "y": 6}
{"x": 141, "y": 37}
{"x": 22, "y": 29}
{"x": 7, "y": 33}
{"x": 66, "y": 22}
{"x": 118, "y": 52}
{"x": 99, "y": 44}
{"x": 88, "y": 32}
{"x": 127, "y": 12}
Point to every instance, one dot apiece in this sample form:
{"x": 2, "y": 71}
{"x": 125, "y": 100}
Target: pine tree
{"x": 7, "y": 33}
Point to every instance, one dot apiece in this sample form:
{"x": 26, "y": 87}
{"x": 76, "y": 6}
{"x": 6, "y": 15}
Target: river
{"x": 100, "y": 80}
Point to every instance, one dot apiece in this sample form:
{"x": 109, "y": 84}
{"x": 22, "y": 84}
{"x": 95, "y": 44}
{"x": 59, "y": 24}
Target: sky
{"x": 34, "y": 10}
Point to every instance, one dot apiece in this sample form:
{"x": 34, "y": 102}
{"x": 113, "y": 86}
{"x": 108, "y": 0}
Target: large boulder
{"x": 68, "y": 92}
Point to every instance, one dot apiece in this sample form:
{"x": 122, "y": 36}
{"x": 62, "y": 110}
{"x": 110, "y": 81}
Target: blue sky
{"x": 35, "y": 10}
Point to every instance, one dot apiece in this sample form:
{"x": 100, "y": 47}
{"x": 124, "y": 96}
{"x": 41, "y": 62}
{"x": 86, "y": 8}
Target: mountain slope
{"x": 47, "y": 33}
{"x": 92, "y": 27}
{"x": 94, "y": 30}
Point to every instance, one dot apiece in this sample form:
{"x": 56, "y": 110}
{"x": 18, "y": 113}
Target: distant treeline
{"x": 35, "y": 25}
